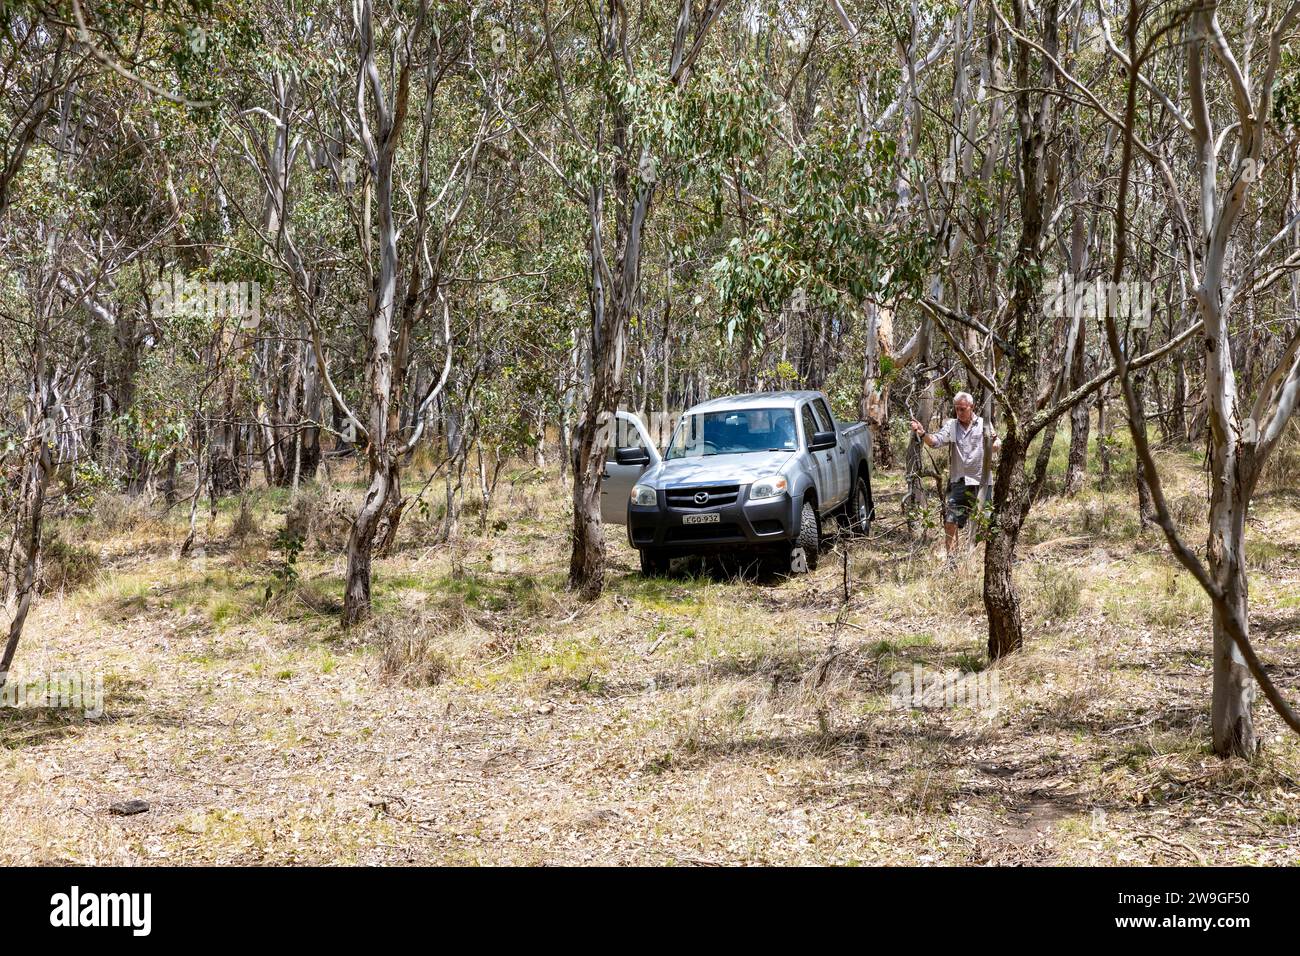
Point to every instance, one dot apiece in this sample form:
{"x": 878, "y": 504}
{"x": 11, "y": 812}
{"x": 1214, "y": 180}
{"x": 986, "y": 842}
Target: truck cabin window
{"x": 810, "y": 426}
{"x": 734, "y": 433}
{"x": 825, "y": 423}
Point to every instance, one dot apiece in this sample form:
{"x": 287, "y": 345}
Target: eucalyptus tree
{"x": 38, "y": 61}
{"x": 1030, "y": 377}
{"x": 617, "y": 81}
{"x": 1225, "y": 106}
{"x": 87, "y": 93}
{"x": 1036, "y": 109}
{"x": 73, "y": 235}
{"x": 922, "y": 44}
{"x": 409, "y": 70}
{"x": 377, "y": 130}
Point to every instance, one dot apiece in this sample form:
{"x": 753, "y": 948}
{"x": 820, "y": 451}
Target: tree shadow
{"x": 1268, "y": 625}
{"x": 31, "y": 722}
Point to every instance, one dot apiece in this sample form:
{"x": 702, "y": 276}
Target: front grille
{"x": 703, "y": 532}
{"x": 683, "y": 499}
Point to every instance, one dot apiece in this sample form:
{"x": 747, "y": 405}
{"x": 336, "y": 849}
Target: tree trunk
{"x": 356, "y": 594}
{"x": 390, "y": 521}
{"x": 1234, "y": 692}
{"x": 1146, "y": 507}
{"x": 1103, "y": 433}
{"x": 923, "y": 408}
{"x": 1001, "y": 602}
{"x": 308, "y": 460}
{"x": 539, "y": 429}
{"x": 1042, "y": 462}
{"x": 1076, "y": 469}
{"x": 39, "y": 472}
{"x": 1011, "y": 489}
{"x": 1231, "y": 721}
{"x": 587, "y": 560}
{"x": 387, "y": 355}
{"x": 1178, "y": 414}
{"x": 873, "y": 404}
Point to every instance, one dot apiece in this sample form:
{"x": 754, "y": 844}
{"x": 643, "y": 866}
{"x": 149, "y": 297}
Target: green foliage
{"x": 825, "y": 235}
{"x": 290, "y": 543}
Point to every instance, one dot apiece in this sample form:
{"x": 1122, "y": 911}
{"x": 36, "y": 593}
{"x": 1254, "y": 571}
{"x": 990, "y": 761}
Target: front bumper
{"x": 741, "y": 525}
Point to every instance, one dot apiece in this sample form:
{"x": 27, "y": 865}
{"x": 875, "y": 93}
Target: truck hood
{"x": 717, "y": 469}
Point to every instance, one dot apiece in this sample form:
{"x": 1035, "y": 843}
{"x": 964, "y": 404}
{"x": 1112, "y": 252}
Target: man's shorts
{"x": 961, "y": 499}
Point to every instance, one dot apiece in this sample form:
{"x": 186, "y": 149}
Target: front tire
{"x": 808, "y": 541}
{"x": 654, "y": 563}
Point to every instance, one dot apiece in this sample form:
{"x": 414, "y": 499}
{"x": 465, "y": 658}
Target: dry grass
{"x": 116, "y": 514}
{"x": 487, "y": 716}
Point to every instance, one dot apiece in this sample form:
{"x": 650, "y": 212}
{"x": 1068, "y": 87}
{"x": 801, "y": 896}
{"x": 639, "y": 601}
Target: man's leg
{"x": 960, "y": 502}
{"x": 951, "y": 515}
{"x": 972, "y": 504}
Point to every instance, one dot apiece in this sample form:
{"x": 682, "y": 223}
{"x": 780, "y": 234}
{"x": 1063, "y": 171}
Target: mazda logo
{"x": 701, "y": 497}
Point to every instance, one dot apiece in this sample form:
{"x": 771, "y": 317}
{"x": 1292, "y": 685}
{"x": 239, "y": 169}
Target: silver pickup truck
{"x": 762, "y": 473}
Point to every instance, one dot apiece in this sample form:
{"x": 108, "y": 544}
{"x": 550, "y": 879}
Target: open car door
{"x": 629, "y": 441}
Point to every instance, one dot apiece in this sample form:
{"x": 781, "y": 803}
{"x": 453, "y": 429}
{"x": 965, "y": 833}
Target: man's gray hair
{"x": 964, "y": 396}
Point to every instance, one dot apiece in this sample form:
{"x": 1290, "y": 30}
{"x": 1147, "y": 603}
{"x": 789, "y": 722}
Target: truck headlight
{"x": 767, "y": 488}
{"x": 644, "y": 495}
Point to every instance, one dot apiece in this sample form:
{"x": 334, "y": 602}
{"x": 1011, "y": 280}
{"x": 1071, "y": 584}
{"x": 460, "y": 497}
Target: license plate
{"x": 710, "y": 518}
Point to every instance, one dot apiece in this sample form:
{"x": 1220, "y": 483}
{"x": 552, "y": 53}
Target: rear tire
{"x": 809, "y": 540}
{"x": 654, "y": 563}
{"x": 855, "y": 517}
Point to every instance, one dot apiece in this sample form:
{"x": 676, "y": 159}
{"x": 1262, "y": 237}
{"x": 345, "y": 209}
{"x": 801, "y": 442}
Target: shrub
{"x": 411, "y": 651}
{"x": 320, "y": 517}
{"x": 245, "y": 524}
{"x": 1188, "y": 510}
{"x": 64, "y": 566}
{"x": 118, "y": 513}
{"x": 289, "y": 543}
{"x": 1057, "y": 592}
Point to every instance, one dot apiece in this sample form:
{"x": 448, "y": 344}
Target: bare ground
{"x": 487, "y": 717}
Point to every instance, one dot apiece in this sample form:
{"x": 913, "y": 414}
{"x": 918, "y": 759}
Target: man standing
{"x": 964, "y": 436}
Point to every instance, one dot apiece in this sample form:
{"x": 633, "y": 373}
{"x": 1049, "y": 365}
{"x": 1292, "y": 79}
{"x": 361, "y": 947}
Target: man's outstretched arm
{"x": 934, "y": 441}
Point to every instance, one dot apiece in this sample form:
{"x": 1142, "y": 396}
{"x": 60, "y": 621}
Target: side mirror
{"x": 632, "y": 456}
{"x": 823, "y": 440}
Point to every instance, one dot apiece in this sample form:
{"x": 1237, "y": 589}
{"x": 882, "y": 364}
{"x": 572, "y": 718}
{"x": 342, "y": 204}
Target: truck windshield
{"x": 734, "y": 433}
